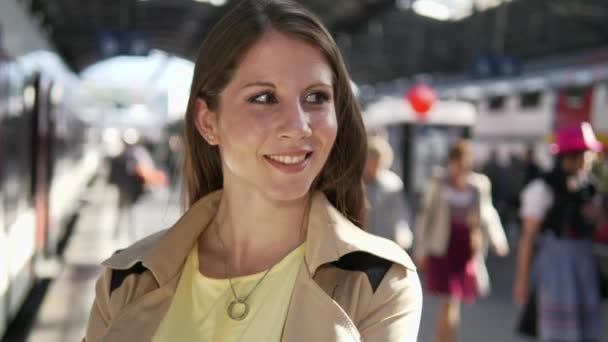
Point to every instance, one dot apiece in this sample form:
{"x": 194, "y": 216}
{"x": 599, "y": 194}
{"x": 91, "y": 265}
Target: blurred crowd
{"x": 559, "y": 218}
{"x": 506, "y": 190}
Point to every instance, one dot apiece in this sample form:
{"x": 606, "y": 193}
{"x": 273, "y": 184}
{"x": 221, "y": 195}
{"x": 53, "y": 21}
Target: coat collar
{"x": 329, "y": 237}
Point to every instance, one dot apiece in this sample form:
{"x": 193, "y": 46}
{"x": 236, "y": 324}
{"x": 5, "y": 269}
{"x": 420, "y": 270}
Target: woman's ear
{"x": 206, "y": 122}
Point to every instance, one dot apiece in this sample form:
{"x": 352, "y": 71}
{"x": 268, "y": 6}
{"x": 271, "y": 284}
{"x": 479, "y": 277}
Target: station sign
{"x": 492, "y": 66}
{"x": 115, "y": 43}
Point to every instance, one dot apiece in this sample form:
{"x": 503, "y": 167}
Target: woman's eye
{"x": 317, "y": 98}
{"x": 264, "y": 98}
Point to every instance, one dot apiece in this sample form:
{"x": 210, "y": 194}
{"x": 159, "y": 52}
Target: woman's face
{"x": 458, "y": 168}
{"x": 579, "y": 163}
{"x": 276, "y": 121}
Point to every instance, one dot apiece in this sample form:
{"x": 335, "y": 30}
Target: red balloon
{"x": 421, "y": 98}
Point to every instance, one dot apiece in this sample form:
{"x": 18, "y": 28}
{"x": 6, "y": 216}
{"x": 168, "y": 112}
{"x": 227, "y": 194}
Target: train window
{"x": 496, "y": 103}
{"x": 530, "y": 99}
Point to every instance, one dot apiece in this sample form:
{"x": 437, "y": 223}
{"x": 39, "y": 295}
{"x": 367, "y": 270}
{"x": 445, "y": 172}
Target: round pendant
{"x": 238, "y": 310}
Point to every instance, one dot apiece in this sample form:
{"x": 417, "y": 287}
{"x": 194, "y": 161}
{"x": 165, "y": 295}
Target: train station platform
{"x": 65, "y": 309}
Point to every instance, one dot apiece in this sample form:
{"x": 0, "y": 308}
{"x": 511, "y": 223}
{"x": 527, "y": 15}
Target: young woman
{"x": 560, "y": 212}
{"x": 270, "y": 247}
{"x": 457, "y": 223}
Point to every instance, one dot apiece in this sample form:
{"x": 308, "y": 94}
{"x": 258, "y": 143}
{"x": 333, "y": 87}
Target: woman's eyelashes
{"x": 319, "y": 97}
{"x": 263, "y": 98}
{"x": 266, "y": 98}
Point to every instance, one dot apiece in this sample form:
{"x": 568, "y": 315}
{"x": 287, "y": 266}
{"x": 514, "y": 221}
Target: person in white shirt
{"x": 556, "y": 270}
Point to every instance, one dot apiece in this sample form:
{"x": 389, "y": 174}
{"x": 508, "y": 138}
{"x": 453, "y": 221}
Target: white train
{"x": 525, "y": 111}
{"x": 47, "y": 157}
{"x": 508, "y": 116}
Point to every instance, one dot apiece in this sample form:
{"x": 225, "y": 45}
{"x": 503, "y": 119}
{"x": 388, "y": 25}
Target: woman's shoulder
{"x": 388, "y": 269}
{"x": 537, "y": 191}
{"x": 371, "y": 248}
{"x": 347, "y": 238}
{"x": 129, "y": 256}
{"x": 479, "y": 179}
{"x": 537, "y": 188}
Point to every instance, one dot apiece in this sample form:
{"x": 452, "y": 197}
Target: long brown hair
{"x": 218, "y": 59}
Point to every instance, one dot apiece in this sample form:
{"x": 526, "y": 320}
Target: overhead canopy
{"x": 175, "y": 26}
{"x": 381, "y": 39}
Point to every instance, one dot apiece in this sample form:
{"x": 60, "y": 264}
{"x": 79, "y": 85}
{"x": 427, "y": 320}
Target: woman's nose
{"x": 295, "y": 123}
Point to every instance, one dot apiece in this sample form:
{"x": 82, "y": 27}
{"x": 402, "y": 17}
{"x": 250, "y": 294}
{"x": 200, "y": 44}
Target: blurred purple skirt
{"x": 454, "y": 273}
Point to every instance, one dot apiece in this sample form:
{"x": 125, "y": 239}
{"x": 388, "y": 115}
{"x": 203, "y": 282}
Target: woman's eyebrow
{"x": 258, "y": 84}
{"x": 320, "y": 84}
{"x": 271, "y": 85}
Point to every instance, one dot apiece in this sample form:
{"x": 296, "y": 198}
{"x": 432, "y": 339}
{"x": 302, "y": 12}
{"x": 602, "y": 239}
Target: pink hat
{"x": 576, "y": 139}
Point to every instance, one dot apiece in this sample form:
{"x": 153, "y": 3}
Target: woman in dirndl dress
{"x": 560, "y": 212}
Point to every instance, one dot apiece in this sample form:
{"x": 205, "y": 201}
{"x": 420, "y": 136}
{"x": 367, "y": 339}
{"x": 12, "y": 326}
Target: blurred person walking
{"x": 174, "y": 159}
{"x": 456, "y": 225}
{"x": 500, "y": 187}
{"x": 557, "y": 274}
{"x": 516, "y": 181}
{"x": 387, "y": 210}
{"x": 127, "y": 174}
{"x": 531, "y": 168}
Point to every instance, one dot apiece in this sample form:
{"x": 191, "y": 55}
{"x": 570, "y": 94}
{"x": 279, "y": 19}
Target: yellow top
{"x": 198, "y": 311}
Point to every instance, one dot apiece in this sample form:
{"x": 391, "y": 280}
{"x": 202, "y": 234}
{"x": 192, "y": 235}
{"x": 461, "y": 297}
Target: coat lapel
{"x": 314, "y": 316}
{"x": 139, "y": 320}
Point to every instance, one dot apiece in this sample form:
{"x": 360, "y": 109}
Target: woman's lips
{"x": 289, "y": 162}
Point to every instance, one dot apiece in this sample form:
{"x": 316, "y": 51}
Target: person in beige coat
{"x": 271, "y": 246}
{"x": 456, "y": 225}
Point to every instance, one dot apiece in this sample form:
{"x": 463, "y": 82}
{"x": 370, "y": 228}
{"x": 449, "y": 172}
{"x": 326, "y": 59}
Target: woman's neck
{"x": 458, "y": 182}
{"x": 256, "y": 231}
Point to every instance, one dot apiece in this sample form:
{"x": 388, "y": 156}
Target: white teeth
{"x": 289, "y": 159}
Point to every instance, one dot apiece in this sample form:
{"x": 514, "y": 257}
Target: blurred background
{"x": 87, "y": 88}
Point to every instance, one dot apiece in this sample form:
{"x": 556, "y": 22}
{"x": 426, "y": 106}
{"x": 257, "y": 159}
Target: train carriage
{"x": 47, "y": 157}
{"x": 519, "y": 112}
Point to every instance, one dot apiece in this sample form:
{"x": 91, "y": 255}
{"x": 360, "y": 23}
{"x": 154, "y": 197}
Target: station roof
{"x": 381, "y": 39}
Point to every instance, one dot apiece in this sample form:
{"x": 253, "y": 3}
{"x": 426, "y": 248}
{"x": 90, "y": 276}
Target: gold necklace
{"x": 238, "y": 309}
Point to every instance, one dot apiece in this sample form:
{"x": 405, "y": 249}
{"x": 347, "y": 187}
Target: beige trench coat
{"x": 352, "y": 286}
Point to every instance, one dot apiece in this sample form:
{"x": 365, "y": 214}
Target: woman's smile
{"x": 289, "y": 162}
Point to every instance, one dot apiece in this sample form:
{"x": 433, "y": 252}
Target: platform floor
{"x": 65, "y": 309}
